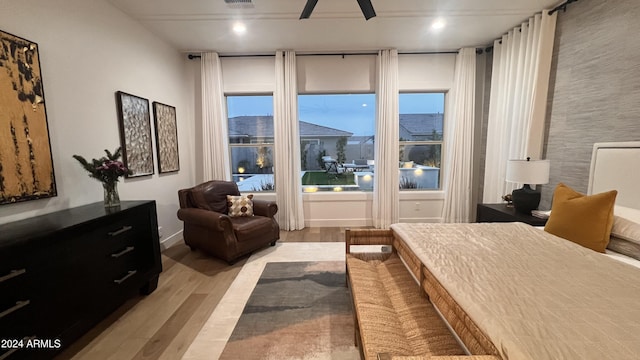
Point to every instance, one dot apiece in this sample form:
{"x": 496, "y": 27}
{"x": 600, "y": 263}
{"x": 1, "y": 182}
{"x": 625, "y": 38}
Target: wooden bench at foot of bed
{"x": 394, "y": 319}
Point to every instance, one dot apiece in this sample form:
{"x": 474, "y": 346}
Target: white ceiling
{"x": 334, "y": 26}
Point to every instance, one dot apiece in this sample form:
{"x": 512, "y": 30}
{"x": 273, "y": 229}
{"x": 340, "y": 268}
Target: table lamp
{"x": 528, "y": 172}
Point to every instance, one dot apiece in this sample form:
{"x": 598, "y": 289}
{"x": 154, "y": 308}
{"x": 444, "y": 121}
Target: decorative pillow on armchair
{"x": 240, "y": 205}
{"x": 585, "y": 220}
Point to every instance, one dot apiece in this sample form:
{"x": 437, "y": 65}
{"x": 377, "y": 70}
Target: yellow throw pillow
{"x": 585, "y": 220}
{"x": 240, "y": 205}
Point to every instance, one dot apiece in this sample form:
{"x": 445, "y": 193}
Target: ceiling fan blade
{"x": 367, "y": 9}
{"x": 308, "y": 9}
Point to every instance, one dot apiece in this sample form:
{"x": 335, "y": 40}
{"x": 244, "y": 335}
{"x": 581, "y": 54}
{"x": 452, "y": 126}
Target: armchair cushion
{"x": 251, "y": 228}
{"x": 240, "y": 205}
{"x": 212, "y": 195}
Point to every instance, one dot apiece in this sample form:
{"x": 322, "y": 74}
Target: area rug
{"x": 297, "y": 310}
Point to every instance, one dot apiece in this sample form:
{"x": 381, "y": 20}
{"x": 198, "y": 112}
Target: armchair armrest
{"x": 265, "y": 208}
{"x": 205, "y": 218}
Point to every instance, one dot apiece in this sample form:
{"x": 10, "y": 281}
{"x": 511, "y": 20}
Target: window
{"x": 251, "y": 141}
{"x": 421, "y": 129}
{"x": 336, "y": 141}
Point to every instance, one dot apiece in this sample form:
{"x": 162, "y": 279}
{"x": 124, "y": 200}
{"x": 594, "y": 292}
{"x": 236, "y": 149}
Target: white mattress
{"x": 624, "y": 258}
{"x": 534, "y": 295}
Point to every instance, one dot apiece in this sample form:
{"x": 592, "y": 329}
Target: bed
{"x": 515, "y": 291}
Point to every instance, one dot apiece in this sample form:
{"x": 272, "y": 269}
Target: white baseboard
{"x": 170, "y": 240}
{"x": 363, "y": 222}
{"x": 421, "y": 220}
{"x": 337, "y": 222}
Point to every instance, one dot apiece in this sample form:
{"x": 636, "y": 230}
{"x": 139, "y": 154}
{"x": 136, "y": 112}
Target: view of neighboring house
{"x": 421, "y": 127}
{"x": 259, "y": 130}
{"x": 251, "y": 139}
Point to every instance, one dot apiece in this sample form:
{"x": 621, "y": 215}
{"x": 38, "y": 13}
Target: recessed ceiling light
{"x": 239, "y": 28}
{"x": 438, "y": 24}
{"x": 364, "y": 105}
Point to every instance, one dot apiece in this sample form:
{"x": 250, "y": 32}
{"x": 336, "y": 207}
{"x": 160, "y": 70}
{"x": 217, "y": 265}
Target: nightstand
{"x": 504, "y": 213}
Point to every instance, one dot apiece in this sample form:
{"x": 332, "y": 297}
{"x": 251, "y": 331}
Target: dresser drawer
{"x": 15, "y": 317}
{"x": 17, "y": 288}
{"x": 123, "y": 231}
{"x": 16, "y": 282}
{"x": 25, "y": 315}
{"x": 61, "y": 273}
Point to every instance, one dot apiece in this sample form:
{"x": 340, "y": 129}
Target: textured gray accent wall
{"x": 483, "y": 88}
{"x": 594, "y": 93}
{"x": 482, "y": 124}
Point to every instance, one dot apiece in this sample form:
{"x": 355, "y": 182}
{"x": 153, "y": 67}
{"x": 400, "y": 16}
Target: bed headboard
{"x": 616, "y": 166}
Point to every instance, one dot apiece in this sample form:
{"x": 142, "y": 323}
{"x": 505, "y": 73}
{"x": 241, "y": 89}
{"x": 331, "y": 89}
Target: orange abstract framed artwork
{"x": 26, "y": 163}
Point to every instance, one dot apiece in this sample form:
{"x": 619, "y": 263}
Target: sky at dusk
{"x": 352, "y": 112}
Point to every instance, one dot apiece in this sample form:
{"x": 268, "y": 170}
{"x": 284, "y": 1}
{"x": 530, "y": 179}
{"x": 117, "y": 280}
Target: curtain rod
{"x": 562, "y": 6}
{"x": 196, "y": 56}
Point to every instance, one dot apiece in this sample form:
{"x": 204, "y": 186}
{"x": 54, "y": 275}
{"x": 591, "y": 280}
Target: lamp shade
{"x": 528, "y": 171}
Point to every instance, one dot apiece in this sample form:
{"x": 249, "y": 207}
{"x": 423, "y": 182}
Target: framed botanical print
{"x": 166, "y": 137}
{"x": 134, "y": 121}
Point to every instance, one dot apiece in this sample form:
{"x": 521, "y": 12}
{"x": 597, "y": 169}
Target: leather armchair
{"x": 207, "y": 227}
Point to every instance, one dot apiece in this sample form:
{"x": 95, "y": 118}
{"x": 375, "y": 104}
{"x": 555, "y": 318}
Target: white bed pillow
{"x": 627, "y": 213}
{"x": 626, "y": 224}
{"x": 624, "y": 247}
{"x": 625, "y": 232}
{"x": 625, "y": 229}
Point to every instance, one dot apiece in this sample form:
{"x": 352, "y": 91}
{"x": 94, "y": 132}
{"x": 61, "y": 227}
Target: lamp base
{"x": 525, "y": 199}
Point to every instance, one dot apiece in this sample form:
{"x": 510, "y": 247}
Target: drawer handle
{"x": 127, "y": 250}
{"x": 129, "y": 274}
{"x": 12, "y": 274}
{"x": 118, "y": 232}
{"x": 19, "y": 305}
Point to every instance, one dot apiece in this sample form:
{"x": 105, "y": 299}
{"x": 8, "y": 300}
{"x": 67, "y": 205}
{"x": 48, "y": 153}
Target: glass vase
{"x": 111, "y": 197}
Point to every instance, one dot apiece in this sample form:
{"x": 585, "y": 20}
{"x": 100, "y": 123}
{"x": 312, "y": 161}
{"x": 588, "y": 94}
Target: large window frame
{"x": 264, "y": 153}
{"x": 349, "y": 166}
{"x": 413, "y": 172}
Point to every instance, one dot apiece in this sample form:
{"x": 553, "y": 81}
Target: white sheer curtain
{"x": 459, "y": 128}
{"x": 519, "y": 87}
{"x": 386, "y": 193}
{"x": 287, "y": 143}
{"x": 215, "y": 138}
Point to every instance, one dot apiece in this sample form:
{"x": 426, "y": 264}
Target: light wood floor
{"x": 163, "y": 324}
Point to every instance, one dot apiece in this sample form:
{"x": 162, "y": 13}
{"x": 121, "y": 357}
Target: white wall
{"x": 88, "y": 51}
{"x": 355, "y": 208}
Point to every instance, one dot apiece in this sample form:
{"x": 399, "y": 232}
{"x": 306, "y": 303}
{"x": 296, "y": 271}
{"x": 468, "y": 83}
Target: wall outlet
{"x": 416, "y": 206}
{"x": 160, "y": 231}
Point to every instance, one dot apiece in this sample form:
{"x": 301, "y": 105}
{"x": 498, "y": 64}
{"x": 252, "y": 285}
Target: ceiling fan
{"x": 365, "y": 6}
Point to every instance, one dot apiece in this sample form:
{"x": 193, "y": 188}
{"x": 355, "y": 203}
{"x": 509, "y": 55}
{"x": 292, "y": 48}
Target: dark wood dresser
{"x": 63, "y": 272}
